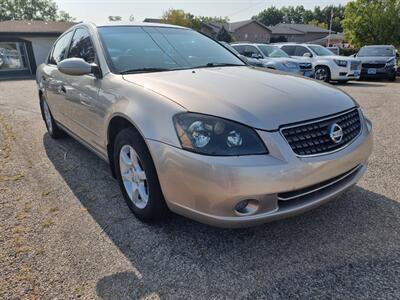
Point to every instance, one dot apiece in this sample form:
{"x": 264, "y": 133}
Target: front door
{"x": 86, "y": 114}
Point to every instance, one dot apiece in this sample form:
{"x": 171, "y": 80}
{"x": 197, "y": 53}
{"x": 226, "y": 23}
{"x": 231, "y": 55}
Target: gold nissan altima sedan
{"x": 187, "y": 126}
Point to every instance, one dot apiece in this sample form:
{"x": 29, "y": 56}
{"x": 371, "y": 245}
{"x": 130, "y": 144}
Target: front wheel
{"x": 137, "y": 177}
{"x": 322, "y": 73}
{"x": 54, "y": 131}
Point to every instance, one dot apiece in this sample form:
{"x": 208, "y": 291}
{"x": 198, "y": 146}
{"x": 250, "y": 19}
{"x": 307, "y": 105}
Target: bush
{"x": 348, "y": 51}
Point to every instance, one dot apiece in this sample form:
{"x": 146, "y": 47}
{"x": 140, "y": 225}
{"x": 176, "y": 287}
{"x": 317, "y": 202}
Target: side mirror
{"x": 307, "y": 54}
{"x": 355, "y": 55}
{"x": 75, "y": 66}
{"x": 255, "y": 55}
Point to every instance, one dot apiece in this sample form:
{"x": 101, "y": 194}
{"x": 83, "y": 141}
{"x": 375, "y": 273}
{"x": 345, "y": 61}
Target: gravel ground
{"x": 65, "y": 231}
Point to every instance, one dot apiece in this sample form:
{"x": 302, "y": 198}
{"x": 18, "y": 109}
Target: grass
{"x": 54, "y": 209}
{"x": 46, "y": 223}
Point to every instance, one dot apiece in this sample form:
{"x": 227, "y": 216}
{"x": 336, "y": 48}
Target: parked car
{"x": 378, "y": 61}
{"x": 272, "y": 57}
{"x": 251, "y": 61}
{"x": 327, "y": 65}
{"x": 186, "y": 126}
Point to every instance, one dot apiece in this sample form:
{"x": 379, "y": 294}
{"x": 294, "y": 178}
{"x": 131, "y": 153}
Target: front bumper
{"x": 382, "y": 73}
{"x": 207, "y": 188}
{"x": 345, "y": 73}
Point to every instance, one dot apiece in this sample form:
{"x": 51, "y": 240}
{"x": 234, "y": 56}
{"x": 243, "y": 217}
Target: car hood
{"x": 375, "y": 59}
{"x": 339, "y": 57}
{"x": 256, "y": 97}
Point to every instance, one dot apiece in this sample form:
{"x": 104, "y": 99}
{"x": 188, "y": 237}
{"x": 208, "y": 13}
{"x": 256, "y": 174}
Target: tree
{"x": 224, "y": 35}
{"x": 178, "y": 17}
{"x": 318, "y": 24}
{"x": 114, "y": 18}
{"x": 372, "y": 22}
{"x": 43, "y": 10}
{"x": 270, "y": 16}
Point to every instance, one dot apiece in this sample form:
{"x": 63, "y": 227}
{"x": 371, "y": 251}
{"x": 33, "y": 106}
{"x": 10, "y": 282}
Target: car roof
{"x": 376, "y": 46}
{"x": 132, "y": 24}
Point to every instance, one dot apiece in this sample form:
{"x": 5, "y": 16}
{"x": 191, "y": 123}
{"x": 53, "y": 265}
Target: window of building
{"x": 13, "y": 56}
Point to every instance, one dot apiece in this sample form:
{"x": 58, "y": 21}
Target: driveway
{"x": 65, "y": 231}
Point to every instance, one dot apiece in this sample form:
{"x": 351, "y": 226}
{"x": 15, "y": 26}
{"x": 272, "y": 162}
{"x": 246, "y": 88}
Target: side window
{"x": 81, "y": 46}
{"x": 300, "y": 51}
{"x": 290, "y": 50}
{"x": 251, "y": 51}
{"x": 239, "y": 49}
{"x": 60, "y": 49}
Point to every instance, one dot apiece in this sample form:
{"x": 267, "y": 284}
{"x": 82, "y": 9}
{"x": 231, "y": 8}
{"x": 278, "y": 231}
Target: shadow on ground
{"x": 345, "y": 249}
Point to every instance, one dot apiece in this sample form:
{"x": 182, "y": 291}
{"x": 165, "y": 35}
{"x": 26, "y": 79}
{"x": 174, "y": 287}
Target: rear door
{"x": 53, "y": 80}
{"x": 86, "y": 113}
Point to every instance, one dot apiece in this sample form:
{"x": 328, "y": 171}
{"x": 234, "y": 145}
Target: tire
{"x": 54, "y": 131}
{"x": 393, "y": 78}
{"x": 322, "y": 73}
{"x": 137, "y": 177}
{"x": 343, "y": 81}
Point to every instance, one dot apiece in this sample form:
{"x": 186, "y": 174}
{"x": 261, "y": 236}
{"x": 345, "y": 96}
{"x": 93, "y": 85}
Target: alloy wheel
{"x": 133, "y": 176}
{"x": 321, "y": 74}
{"x": 47, "y": 116}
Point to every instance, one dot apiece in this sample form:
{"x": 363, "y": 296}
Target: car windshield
{"x": 321, "y": 51}
{"x": 133, "y": 49}
{"x": 272, "y": 51}
{"x": 376, "y": 51}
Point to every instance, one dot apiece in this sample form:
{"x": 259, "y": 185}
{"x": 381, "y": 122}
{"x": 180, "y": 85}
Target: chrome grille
{"x": 305, "y": 66}
{"x": 313, "y": 138}
{"x": 355, "y": 65}
{"x": 373, "y": 65}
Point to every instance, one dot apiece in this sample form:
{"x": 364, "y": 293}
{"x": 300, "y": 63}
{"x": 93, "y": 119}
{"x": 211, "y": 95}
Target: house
{"x": 335, "y": 39}
{"x": 213, "y": 29}
{"x": 249, "y": 31}
{"x": 299, "y": 33}
{"x": 153, "y": 20}
{"x": 25, "y": 44}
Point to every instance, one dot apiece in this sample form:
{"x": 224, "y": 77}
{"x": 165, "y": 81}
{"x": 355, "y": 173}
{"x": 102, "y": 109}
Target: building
{"x": 298, "y": 33}
{"x": 153, "y": 20}
{"x": 25, "y": 44}
{"x": 250, "y": 31}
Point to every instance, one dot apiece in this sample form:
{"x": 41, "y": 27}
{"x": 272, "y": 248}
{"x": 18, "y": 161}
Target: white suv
{"x": 327, "y": 65}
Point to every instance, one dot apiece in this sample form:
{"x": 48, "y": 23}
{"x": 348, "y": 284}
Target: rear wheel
{"x": 393, "y": 78}
{"x": 54, "y": 131}
{"x": 137, "y": 177}
{"x": 322, "y": 73}
{"x": 343, "y": 81}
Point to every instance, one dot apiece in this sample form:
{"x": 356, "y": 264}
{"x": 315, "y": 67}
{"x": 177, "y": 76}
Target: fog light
{"x": 246, "y": 207}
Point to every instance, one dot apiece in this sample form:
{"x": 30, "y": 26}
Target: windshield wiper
{"x": 145, "y": 70}
{"x": 210, "y": 65}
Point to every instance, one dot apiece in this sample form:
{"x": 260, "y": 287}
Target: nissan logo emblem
{"x": 336, "y": 133}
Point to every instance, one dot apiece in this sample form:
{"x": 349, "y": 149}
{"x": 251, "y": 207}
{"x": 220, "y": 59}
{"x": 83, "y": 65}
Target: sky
{"x": 237, "y": 10}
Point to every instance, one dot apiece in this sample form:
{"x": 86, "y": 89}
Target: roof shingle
{"x": 35, "y": 27}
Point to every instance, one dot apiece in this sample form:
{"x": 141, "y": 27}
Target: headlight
{"x": 391, "y": 62}
{"x": 290, "y": 65}
{"x": 340, "y": 63}
{"x": 215, "y": 136}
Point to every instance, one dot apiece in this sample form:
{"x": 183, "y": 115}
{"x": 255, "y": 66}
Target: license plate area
{"x": 371, "y": 71}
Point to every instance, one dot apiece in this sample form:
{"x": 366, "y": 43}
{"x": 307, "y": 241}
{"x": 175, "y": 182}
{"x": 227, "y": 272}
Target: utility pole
{"x": 330, "y": 29}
